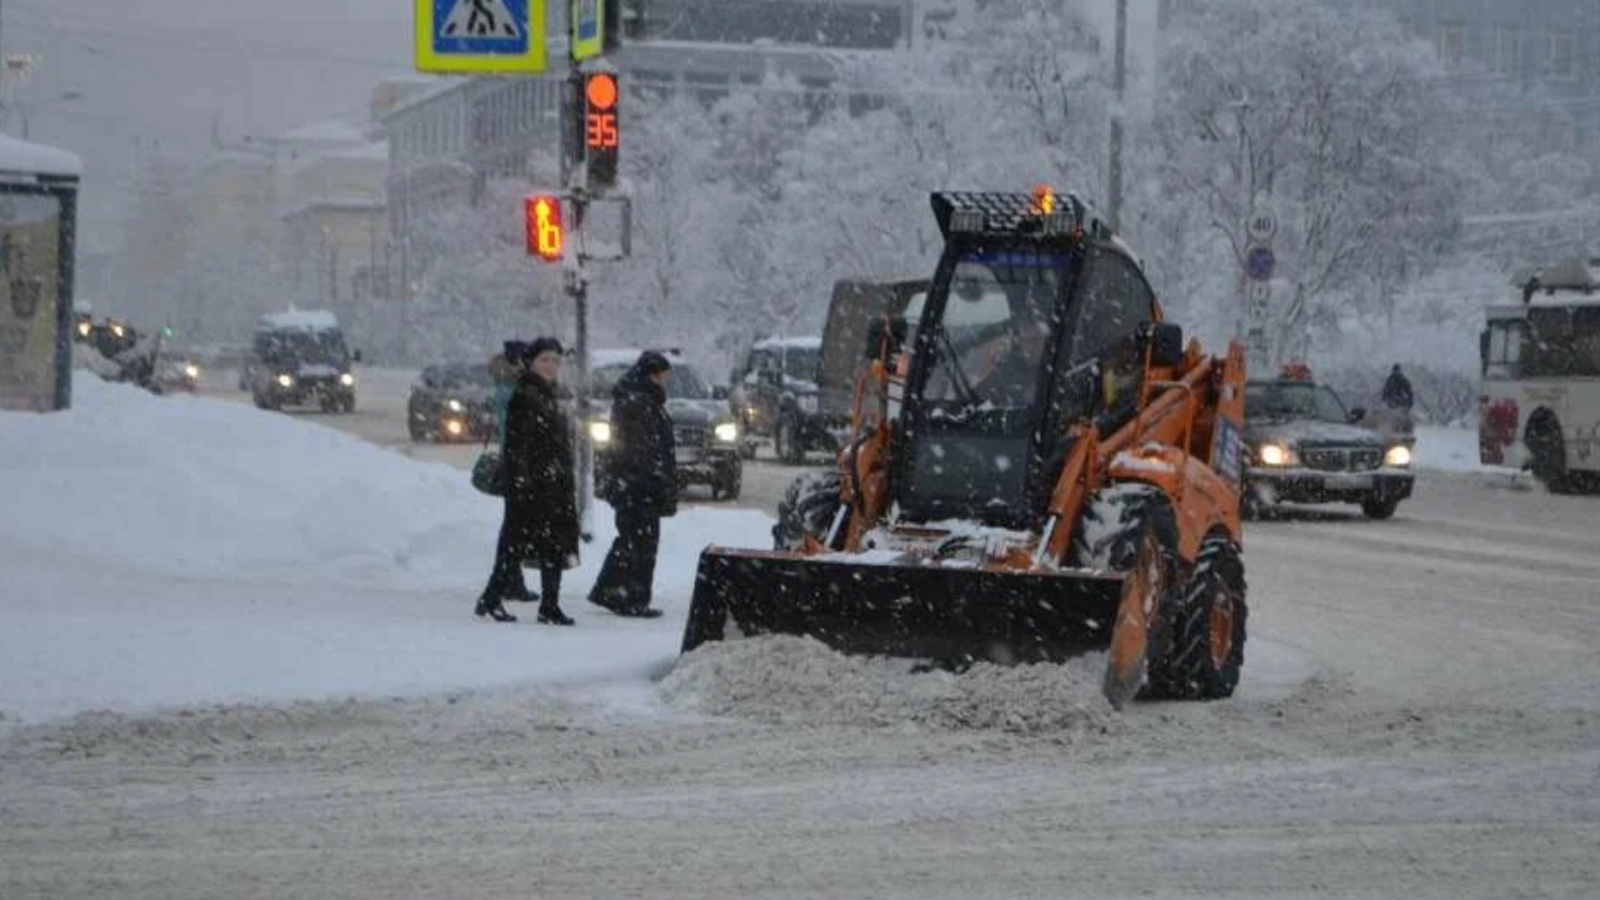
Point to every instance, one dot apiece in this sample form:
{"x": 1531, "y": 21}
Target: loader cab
{"x": 1021, "y": 335}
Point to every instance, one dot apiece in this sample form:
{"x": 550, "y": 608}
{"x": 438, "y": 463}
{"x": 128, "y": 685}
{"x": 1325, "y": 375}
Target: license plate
{"x": 1347, "y": 482}
{"x": 688, "y": 455}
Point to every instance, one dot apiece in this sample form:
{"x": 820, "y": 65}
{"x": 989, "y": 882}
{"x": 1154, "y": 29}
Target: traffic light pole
{"x": 573, "y": 177}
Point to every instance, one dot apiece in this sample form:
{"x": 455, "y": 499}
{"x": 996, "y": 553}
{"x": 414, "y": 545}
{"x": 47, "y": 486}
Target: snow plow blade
{"x": 943, "y": 613}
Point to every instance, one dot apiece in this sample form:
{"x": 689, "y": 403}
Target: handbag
{"x": 486, "y": 474}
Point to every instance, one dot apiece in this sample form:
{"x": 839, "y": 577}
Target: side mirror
{"x": 1357, "y": 414}
{"x": 719, "y": 392}
{"x": 355, "y": 356}
{"x": 1166, "y": 344}
{"x": 885, "y": 338}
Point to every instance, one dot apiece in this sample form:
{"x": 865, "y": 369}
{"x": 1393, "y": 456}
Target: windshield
{"x": 683, "y": 382}
{"x": 316, "y": 347}
{"x": 1293, "y": 401}
{"x": 996, "y": 330}
{"x": 800, "y": 363}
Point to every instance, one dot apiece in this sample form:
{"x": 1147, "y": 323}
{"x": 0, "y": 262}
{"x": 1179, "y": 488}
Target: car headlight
{"x": 347, "y": 380}
{"x": 808, "y": 402}
{"x": 1398, "y": 455}
{"x": 456, "y": 406}
{"x": 600, "y": 432}
{"x": 192, "y": 372}
{"x": 727, "y": 432}
{"x": 1274, "y": 455}
{"x": 286, "y": 381}
{"x": 455, "y": 427}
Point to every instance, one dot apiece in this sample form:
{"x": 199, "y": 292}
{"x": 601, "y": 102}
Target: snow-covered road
{"x": 1419, "y": 718}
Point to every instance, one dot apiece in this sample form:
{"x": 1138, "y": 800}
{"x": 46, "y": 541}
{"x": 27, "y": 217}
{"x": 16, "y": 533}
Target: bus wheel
{"x": 1549, "y": 452}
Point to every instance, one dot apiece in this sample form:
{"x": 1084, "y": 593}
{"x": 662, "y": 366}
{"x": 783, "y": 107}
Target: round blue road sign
{"x": 1259, "y": 263}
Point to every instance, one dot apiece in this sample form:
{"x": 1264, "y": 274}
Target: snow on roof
{"x": 374, "y": 150}
{"x": 307, "y": 319}
{"x": 335, "y": 131}
{"x": 790, "y": 343}
{"x": 29, "y": 158}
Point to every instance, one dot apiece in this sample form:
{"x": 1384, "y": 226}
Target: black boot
{"x": 550, "y": 610}
{"x": 552, "y": 615}
{"x": 493, "y": 609}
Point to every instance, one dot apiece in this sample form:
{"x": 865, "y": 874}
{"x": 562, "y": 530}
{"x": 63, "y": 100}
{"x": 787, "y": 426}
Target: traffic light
{"x": 546, "y": 237}
{"x": 601, "y": 137}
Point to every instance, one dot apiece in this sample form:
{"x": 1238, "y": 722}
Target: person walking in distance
{"x": 541, "y": 519}
{"x": 641, "y": 484}
{"x": 1397, "y": 390}
{"x": 506, "y": 370}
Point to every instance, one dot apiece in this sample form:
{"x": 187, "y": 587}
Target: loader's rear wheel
{"x": 1132, "y": 529}
{"x": 1209, "y": 632}
{"x": 808, "y": 507}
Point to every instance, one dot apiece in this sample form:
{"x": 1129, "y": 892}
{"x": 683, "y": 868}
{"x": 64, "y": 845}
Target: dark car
{"x": 707, "y": 436}
{"x": 452, "y": 402}
{"x": 1305, "y": 447}
{"x": 774, "y": 395}
{"x": 300, "y": 358}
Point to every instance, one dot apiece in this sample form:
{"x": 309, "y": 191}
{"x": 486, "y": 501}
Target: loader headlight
{"x": 456, "y": 406}
{"x": 727, "y": 432}
{"x": 1398, "y": 455}
{"x": 1274, "y": 455}
{"x": 347, "y": 379}
{"x": 286, "y": 381}
{"x": 600, "y": 432}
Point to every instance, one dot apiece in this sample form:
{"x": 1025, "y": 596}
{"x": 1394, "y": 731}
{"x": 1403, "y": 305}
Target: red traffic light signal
{"x": 601, "y": 135}
{"x": 546, "y": 237}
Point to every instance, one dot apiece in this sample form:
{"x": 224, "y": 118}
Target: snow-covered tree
{"x": 1325, "y": 118}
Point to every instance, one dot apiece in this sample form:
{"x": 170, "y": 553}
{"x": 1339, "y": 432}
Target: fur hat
{"x": 541, "y": 346}
{"x": 652, "y": 363}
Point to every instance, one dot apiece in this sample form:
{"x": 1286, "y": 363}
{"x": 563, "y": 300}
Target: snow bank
{"x": 797, "y": 680}
{"x": 1446, "y": 449}
{"x": 181, "y": 550}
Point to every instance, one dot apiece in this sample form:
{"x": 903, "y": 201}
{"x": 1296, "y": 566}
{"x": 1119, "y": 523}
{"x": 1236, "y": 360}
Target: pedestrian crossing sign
{"x": 480, "y": 36}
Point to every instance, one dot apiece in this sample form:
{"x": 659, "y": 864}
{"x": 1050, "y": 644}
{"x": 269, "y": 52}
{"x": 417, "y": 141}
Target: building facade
{"x": 1550, "y": 44}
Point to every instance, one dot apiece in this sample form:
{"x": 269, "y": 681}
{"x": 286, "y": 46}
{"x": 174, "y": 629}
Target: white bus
{"x": 1539, "y": 407}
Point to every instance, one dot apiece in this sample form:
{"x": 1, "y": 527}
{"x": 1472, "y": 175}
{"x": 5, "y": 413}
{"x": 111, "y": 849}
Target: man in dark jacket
{"x": 641, "y": 484}
{"x": 1397, "y": 390}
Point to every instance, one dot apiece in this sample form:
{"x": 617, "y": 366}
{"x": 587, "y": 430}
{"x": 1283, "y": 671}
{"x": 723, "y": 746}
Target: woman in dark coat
{"x": 541, "y": 521}
{"x": 642, "y": 486}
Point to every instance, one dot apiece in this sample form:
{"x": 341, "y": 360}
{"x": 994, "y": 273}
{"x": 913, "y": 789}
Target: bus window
{"x": 1563, "y": 343}
{"x": 1503, "y": 351}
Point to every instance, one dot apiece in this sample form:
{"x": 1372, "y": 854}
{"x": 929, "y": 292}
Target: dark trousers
{"x": 630, "y": 567}
{"x": 505, "y": 579}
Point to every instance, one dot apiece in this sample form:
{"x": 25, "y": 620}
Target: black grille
{"x": 689, "y": 435}
{"x": 1342, "y": 459}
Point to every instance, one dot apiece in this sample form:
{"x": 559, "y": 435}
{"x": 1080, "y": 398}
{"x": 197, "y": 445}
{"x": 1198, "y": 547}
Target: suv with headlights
{"x": 706, "y": 434}
{"x": 300, "y": 358}
{"x": 1306, "y": 447}
{"x": 452, "y": 402}
{"x": 774, "y": 394}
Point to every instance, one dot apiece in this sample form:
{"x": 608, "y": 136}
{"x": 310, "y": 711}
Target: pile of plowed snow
{"x": 794, "y": 680}
{"x": 204, "y": 488}
{"x": 170, "y": 551}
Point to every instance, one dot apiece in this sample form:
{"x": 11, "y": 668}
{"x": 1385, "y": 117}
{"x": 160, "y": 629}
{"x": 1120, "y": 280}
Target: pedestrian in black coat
{"x": 540, "y": 527}
{"x": 1397, "y": 389}
{"x": 641, "y": 484}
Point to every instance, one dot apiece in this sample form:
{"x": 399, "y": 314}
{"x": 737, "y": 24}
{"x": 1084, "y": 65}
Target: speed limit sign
{"x": 1262, "y": 226}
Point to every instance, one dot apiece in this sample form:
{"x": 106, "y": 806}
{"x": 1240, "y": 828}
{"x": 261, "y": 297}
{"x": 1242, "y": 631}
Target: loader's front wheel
{"x": 808, "y": 507}
{"x": 1132, "y": 529}
{"x": 1208, "y": 637}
